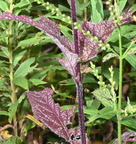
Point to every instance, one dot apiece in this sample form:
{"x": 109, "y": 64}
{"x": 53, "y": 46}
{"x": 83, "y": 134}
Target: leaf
{"x": 88, "y": 48}
{"x": 67, "y": 32}
{"x": 108, "y": 56}
{"x": 105, "y": 113}
{"x": 31, "y": 41}
{"x": 129, "y": 122}
{"x": 132, "y": 60}
{"x": 34, "y": 120}
{"x": 21, "y": 98}
{"x": 51, "y": 115}
{"x": 12, "y": 110}
{"x": 22, "y": 82}
{"x": 4, "y": 113}
{"x": 4, "y": 6}
{"x": 104, "y": 96}
{"x": 37, "y": 81}
{"x": 97, "y": 11}
{"x": 12, "y": 140}
{"x": 122, "y": 4}
{"x": 24, "y": 68}
{"x": 22, "y": 3}
{"x": 51, "y": 30}
{"x": 18, "y": 57}
{"x": 5, "y": 51}
{"x": 126, "y": 30}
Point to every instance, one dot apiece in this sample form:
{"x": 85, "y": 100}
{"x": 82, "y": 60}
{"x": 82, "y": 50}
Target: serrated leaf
{"x": 51, "y": 115}
{"x": 37, "y": 81}
{"x": 24, "y": 68}
{"x": 22, "y": 82}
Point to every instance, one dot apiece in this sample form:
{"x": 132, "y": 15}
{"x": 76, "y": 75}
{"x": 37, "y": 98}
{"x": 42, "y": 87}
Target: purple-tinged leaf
{"x": 50, "y": 29}
{"x": 127, "y": 138}
{"x": 52, "y": 116}
{"x": 103, "y": 30}
{"x": 88, "y": 48}
{"x": 67, "y": 66}
{"x": 127, "y": 17}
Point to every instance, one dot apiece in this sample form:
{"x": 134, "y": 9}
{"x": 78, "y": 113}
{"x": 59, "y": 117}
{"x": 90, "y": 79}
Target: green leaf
{"x": 13, "y": 140}
{"x": 93, "y": 104}
{"x": 126, "y": 31}
{"x": 18, "y": 57}
{"x": 5, "y": 51}
{"x": 22, "y": 82}
{"x": 80, "y": 7}
{"x": 129, "y": 122}
{"x": 84, "y": 5}
{"x": 132, "y": 60}
{"x": 4, "y": 6}
{"x": 97, "y": 11}
{"x": 37, "y": 81}
{"x": 12, "y": 110}
{"x": 105, "y": 113}
{"x": 32, "y": 41}
{"x": 21, "y": 98}
{"x": 22, "y": 3}
{"x": 104, "y": 96}
{"x": 24, "y": 68}
{"x": 63, "y": 8}
{"x": 66, "y": 31}
{"x": 108, "y": 56}
{"x": 3, "y": 113}
{"x": 122, "y": 4}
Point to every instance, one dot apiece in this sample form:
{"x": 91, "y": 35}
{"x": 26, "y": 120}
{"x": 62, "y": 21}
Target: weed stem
{"x": 11, "y": 67}
{"x": 78, "y": 79}
{"x": 120, "y": 87}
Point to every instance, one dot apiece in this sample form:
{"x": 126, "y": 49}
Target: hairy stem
{"x": 78, "y": 80}
{"x": 120, "y": 87}
{"x": 11, "y": 74}
{"x": 79, "y": 88}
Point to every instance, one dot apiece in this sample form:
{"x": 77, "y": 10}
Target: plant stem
{"x": 120, "y": 87}
{"x": 78, "y": 79}
{"x": 85, "y": 12}
{"x": 13, "y": 88}
{"x": 79, "y": 88}
{"x": 11, "y": 75}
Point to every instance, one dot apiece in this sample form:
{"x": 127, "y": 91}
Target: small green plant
{"x": 25, "y": 66}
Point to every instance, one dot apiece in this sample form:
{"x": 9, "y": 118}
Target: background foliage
{"x": 27, "y": 61}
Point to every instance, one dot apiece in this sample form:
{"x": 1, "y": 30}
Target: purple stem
{"x": 78, "y": 80}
